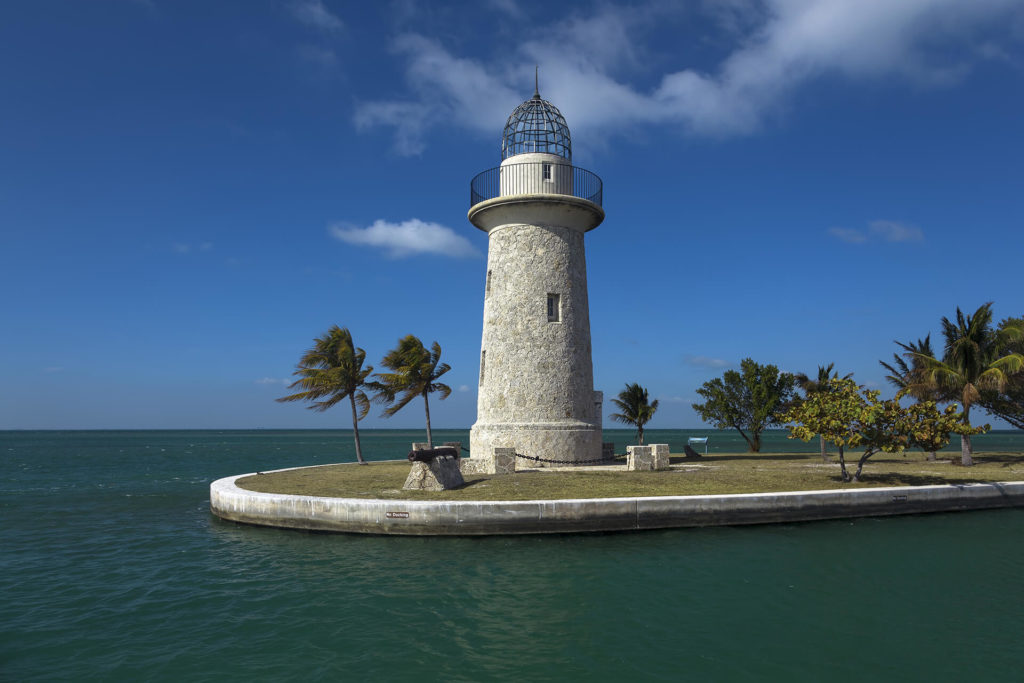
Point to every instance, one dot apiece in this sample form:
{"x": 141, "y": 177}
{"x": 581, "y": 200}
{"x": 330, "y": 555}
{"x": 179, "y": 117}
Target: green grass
{"x": 739, "y": 473}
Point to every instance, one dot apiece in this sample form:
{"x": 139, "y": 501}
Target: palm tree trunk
{"x": 640, "y": 434}
{"x": 965, "y": 441}
{"x": 426, "y": 406}
{"x": 824, "y": 453}
{"x": 355, "y": 429}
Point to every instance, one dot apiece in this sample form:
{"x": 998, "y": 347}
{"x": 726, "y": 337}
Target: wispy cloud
{"x": 508, "y": 7}
{"x": 314, "y": 13}
{"x": 779, "y": 45}
{"x": 272, "y": 380}
{"x": 891, "y": 231}
{"x": 463, "y": 388}
{"x": 887, "y": 231}
{"x": 706, "y": 362}
{"x": 187, "y": 248}
{"x": 407, "y": 238}
{"x": 849, "y": 235}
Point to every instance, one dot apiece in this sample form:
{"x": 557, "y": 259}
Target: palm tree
{"x": 1008, "y": 404}
{"x": 330, "y": 371}
{"x": 636, "y": 410}
{"x": 909, "y": 378}
{"x": 972, "y": 361}
{"x": 414, "y": 372}
{"x": 820, "y": 385}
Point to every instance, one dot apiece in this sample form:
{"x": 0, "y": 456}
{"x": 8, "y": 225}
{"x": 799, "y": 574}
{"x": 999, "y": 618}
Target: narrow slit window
{"x": 547, "y": 171}
{"x": 554, "y": 308}
{"x": 487, "y": 288}
{"x": 483, "y": 360}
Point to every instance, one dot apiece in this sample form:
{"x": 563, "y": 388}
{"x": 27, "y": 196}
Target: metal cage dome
{"x": 536, "y": 125}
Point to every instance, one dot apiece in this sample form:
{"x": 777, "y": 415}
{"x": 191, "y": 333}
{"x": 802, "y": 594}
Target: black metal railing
{"x": 535, "y": 178}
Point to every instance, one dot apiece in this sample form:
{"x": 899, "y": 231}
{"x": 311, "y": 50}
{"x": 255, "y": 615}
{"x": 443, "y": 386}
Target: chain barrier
{"x": 550, "y": 461}
{"x": 536, "y": 458}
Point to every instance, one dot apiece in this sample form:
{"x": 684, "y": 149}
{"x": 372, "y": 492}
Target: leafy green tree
{"x": 930, "y": 430}
{"x": 813, "y": 386}
{"x": 1008, "y": 404}
{"x": 975, "y": 359}
{"x": 636, "y": 408}
{"x": 331, "y": 371}
{"x": 414, "y": 371}
{"x": 748, "y": 401}
{"x": 849, "y": 418}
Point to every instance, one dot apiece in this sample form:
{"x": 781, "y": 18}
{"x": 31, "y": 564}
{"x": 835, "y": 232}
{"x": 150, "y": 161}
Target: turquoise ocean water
{"x": 112, "y": 568}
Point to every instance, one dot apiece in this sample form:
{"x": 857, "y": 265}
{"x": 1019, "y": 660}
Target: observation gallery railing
{"x": 535, "y": 178}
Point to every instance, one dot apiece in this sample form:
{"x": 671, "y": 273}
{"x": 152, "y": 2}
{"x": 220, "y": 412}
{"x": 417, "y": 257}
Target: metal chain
{"x": 566, "y": 462}
{"x": 562, "y": 462}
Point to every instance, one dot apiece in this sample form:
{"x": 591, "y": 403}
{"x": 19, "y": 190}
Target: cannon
{"x": 428, "y": 454}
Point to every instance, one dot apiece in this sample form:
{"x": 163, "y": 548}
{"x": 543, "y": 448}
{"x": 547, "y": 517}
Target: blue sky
{"x": 191, "y": 191}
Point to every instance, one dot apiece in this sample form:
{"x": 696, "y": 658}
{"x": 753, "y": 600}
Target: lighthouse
{"x": 536, "y": 392}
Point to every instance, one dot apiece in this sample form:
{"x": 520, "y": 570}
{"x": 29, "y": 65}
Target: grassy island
{"x": 717, "y": 474}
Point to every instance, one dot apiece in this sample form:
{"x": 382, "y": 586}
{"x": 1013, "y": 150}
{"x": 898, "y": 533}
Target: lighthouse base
{"x": 563, "y": 443}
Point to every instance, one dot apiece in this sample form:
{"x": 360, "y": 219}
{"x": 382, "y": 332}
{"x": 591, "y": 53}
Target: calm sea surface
{"x": 112, "y": 568}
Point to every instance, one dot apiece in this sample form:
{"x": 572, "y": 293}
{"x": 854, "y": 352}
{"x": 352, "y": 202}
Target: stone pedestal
{"x": 660, "y": 452}
{"x": 654, "y": 457}
{"x": 440, "y": 474}
{"x": 500, "y": 461}
{"x": 639, "y": 458}
{"x": 504, "y": 460}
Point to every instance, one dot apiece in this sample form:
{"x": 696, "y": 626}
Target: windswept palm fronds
{"x": 330, "y": 371}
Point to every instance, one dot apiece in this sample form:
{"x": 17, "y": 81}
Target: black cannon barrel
{"x": 428, "y": 454}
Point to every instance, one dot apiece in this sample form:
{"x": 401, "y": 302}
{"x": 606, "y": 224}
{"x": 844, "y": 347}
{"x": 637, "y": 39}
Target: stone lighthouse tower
{"x": 536, "y": 377}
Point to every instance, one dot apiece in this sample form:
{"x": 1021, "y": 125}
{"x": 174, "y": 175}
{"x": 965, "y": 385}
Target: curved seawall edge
{"x": 464, "y": 518}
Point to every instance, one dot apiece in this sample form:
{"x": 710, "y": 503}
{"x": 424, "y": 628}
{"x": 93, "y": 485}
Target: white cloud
{"x": 272, "y": 380}
{"x": 186, "y": 248}
{"x": 888, "y": 231}
{"x": 508, "y": 7}
{"x": 407, "y": 238}
{"x": 463, "y": 388}
{"x": 706, "y": 362}
{"x": 314, "y": 13}
{"x": 849, "y": 235}
{"x": 778, "y": 48}
{"x": 447, "y": 88}
{"x": 891, "y": 231}
{"x": 409, "y": 119}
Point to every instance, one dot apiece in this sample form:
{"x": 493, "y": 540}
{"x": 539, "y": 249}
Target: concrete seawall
{"x": 477, "y": 518}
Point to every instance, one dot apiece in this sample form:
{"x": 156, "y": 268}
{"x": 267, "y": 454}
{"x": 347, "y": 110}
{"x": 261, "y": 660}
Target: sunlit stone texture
{"x": 536, "y": 377}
